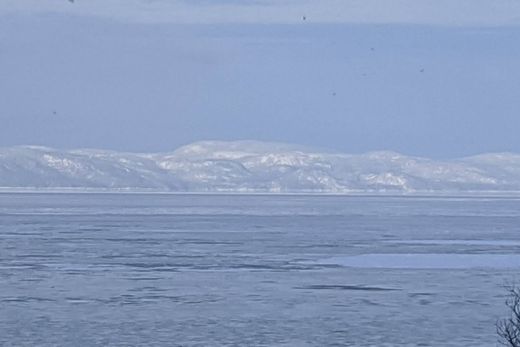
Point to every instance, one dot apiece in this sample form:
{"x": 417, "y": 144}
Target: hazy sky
{"x": 432, "y": 78}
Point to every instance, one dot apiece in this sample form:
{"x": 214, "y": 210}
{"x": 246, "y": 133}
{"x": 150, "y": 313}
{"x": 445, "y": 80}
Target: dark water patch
{"x": 31, "y": 280}
{"x": 167, "y": 269}
{"x": 346, "y": 287}
{"x": 370, "y": 302}
{"x": 124, "y": 299}
{"x": 153, "y": 266}
{"x": 24, "y": 266}
{"x": 148, "y": 289}
{"x": 255, "y": 267}
{"x": 284, "y": 266}
{"x": 324, "y": 266}
{"x": 419, "y": 294}
{"x": 318, "y": 245}
{"x": 78, "y": 272}
{"x": 151, "y": 255}
{"x": 26, "y": 299}
{"x": 131, "y": 256}
{"x": 71, "y": 232}
{"x": 205, "y": 301}
{"x": 130, "y": 299}
{"x": 183, "y": 256}
{"x": 138, "y": 240}
{"x": 266, "y": 267}
{"x": 39, "y": 256}
{"x": 115, "y": 256}
{"x": 213, "y": 243}
{"x": 143, "y": 278}
{"x": 72, "y": 240}
{"x": 20, "y": 233}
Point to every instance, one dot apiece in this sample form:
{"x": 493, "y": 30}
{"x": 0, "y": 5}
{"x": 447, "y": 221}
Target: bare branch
{"x": 508, "y": 329}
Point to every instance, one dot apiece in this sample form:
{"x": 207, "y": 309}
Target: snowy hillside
{"x": 249, "y": 166}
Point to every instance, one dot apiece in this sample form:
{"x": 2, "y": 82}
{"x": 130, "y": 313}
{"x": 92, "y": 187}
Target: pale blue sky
{"x": 146, "y": 78}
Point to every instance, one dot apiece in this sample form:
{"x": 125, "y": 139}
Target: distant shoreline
{"x": 418, "y": 194}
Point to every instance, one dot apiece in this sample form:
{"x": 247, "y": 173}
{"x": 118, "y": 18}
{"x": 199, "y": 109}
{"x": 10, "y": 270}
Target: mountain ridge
{"x": 255, "y": 166}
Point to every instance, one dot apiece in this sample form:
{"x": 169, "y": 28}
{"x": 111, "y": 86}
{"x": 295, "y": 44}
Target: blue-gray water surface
{"x": 217, "y": 270}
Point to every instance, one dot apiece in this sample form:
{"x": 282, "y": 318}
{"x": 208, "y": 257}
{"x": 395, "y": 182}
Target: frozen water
{"x": 428, "y": 261}
{"x": 209, "y": 270}
{"x": 461, "y": 242}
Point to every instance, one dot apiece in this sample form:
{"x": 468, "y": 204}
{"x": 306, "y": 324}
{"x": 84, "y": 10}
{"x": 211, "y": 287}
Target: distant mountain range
{"x": 250, "y": 166}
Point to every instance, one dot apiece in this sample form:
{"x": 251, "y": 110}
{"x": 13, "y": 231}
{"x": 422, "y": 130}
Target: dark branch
{"x": 508, "y": 329}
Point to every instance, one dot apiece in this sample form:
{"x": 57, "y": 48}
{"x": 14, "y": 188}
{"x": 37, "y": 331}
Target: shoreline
{"x": 359, "y": 194}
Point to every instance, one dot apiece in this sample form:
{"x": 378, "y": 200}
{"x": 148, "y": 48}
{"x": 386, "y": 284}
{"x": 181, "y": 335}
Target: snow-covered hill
{"x": 249, "y": 166}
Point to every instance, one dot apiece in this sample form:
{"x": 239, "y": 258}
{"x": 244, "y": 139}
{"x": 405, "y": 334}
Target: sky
{"x": 437, "y": 78}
